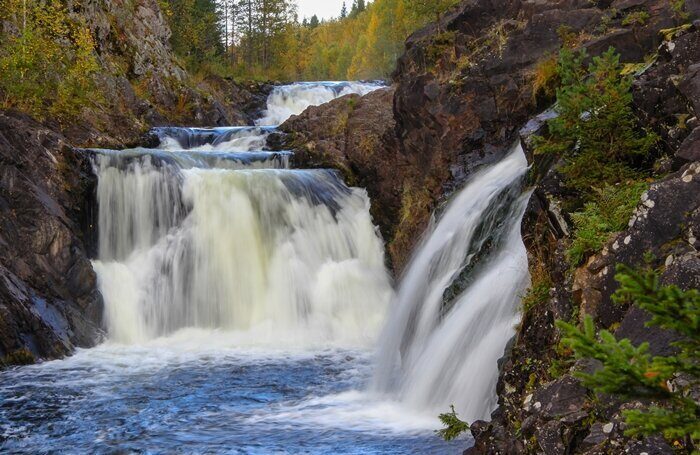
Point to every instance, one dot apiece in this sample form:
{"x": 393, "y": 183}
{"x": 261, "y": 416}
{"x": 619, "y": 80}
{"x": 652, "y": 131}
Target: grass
{"x": 538, "y": 293}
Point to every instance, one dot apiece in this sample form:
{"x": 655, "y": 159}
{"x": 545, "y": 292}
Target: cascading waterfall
{"x": 288, "y": 100}
{"x": 287, "y": 254}
{"x": 457, "y": 305}
{"x": 243, "y": 299}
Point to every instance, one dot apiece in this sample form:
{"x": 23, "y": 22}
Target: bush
{"x": 630, "y": 372}
{"x": 47, "y": 65}
{"x": 453, "y": 425}
{"x": 596, "y": 131}
{"x": 608, "y": 212}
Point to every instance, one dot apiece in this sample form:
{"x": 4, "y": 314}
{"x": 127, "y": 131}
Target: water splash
{"x": 456, "y": 307}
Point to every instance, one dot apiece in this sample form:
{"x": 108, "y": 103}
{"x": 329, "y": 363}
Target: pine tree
{"x": 314, "y": 22}
{"x": 630, "y": 372}
{"x": 596, "y": 130}
{"x": 344, "y": 11}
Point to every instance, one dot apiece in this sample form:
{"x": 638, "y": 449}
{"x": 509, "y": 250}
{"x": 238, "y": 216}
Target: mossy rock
{"x": 19, "y": 357}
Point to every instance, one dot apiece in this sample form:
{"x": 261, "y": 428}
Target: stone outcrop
{"x": 143, "y": 85}
{"x": 354, "y": 135}
{"x": 48, "y": 298}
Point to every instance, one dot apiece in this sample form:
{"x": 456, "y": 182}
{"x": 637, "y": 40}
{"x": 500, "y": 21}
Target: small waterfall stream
{"x": 245, "y": 302}
{"x": 457, "y": 304}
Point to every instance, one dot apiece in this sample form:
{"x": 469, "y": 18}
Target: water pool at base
{"x": 170, "y": 397}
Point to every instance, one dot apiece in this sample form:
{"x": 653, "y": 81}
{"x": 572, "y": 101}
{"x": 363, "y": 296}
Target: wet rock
{"x": 48, "y": 297}
{"x": 355, "y": 135}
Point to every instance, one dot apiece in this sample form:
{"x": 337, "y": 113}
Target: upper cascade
{"x": 208, "y": 231}
{"x": 288, "y": 100}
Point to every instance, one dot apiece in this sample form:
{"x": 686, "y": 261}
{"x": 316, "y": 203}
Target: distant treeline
{"x": 265, "y": 39}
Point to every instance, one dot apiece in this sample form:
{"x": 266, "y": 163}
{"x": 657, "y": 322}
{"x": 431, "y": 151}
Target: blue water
{"x": 164, "y": 399}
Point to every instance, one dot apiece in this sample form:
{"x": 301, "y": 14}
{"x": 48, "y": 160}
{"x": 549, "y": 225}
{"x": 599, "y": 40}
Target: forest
{"x": 267, "y": 40}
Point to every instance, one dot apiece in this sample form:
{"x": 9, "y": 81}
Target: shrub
{"x": 538, "y": 293}
{"x": 453, "y": 425}
{"x": 630, "y": 372}
{"x": 636, "y": 18}
{"x": 47, "y": 65}
{"x": 546, "y": 78}
{"x": 596, "y": 131}
{"x": 607, "y": 213}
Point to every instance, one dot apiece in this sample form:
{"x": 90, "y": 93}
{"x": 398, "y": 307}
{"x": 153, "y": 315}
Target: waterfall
{"x": 208, "y": 232}
{"x": 457, "y": 304}
{"x": 288, "y": 100}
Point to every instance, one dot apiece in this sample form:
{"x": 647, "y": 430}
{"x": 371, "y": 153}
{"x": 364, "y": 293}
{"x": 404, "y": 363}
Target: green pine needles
{"x": 630, "y": 372}
{"x": 453, "y": 425}
{"x": 596, "y": 132}
{"x": 598, "y": 139}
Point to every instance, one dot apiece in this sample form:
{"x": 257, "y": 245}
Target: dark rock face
{"x": 664, "y": 224}
{"x": 48, "y": 298}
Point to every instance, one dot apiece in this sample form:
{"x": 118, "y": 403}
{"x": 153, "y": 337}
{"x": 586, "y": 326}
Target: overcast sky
{"x": 324, "y": 9}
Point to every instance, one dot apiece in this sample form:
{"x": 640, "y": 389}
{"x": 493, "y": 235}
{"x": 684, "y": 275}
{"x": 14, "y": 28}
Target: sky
{"x": 324, "y": 9}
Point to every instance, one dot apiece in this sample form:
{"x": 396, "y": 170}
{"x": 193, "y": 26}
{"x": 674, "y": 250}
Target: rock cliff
{"x": 463, "y": 91}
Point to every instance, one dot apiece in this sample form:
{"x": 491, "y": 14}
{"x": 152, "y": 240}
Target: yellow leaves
{"x": 669, "y": 34}
{"x": 49, "y": 65}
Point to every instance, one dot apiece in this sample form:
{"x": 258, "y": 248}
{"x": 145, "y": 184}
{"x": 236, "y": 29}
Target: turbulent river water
{"x": 248, "y": 308}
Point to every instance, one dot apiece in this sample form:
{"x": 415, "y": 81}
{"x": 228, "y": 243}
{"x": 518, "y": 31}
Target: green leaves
{"x": 453, "y": 425}
{"x": 630, "y": 372}
{"x": 597, "y": 137}
{"x": 47, "y": 66}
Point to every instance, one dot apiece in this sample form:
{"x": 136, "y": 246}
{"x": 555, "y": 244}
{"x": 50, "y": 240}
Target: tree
{"x": 596, "y": 130}
{"x": 47, "y": 65}
{"x": 344, "y": 11}
{"x": 357, "y": 7}
{"x": 314, "y": 22}
{"x": 196, "y": 29}
{"x": 429, "y": 9}
{"x": 632, "y": 373}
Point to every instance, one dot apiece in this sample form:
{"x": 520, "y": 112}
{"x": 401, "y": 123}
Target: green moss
{"x": 19, "y": 357}
{"x": 636, "y": 18}
{"x": 679, "y": 12}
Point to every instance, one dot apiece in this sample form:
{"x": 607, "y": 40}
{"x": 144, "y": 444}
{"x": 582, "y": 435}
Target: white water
{"x": 230, "y": 279}
{"x": 430, "y": 356}
{"x": 288, "y": 100}
{"x": 287, "y": 256}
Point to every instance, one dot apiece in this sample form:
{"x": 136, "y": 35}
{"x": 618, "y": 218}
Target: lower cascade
{"x": 250, "y": 303}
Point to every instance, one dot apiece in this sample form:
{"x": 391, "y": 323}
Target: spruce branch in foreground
{"x": 630, "y": 372}
{"x": 453, "y": 425}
